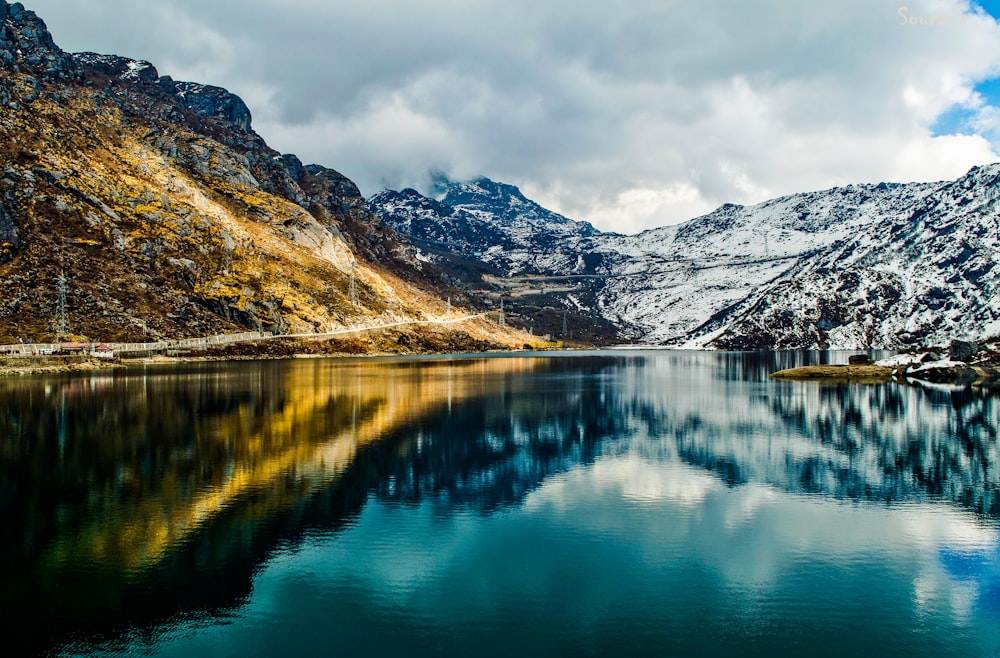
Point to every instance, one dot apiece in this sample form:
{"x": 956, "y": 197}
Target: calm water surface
{"x": 653, "y": 503}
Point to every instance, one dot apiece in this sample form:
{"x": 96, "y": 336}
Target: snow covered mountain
{"x": 492, "y": 222}
{"x": 922, "y": 275}
{"x": 884, "y": 265}
{"x": 680, "y": 284}
{"x": 493, "y": 242}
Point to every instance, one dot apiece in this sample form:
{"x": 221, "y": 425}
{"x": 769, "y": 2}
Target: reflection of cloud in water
{"x": 588, "y": 537}
{"x": 767, "y": 533}
{"x": 936, "y": 592}
{"x": 635, "y": 479}
{"x": 696, "y": 457}
{"x": 972, "y": 570}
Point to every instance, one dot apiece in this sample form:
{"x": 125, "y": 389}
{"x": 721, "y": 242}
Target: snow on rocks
{"x": 856, "y": 267}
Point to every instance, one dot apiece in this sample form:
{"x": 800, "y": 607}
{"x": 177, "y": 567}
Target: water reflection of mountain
{"x": 139, "y": 497}
{"x": 491, "y": 452}
{"x": 880, "y": 443}
{"x": 130, "y": 500}
{"x": 877, "y": 443}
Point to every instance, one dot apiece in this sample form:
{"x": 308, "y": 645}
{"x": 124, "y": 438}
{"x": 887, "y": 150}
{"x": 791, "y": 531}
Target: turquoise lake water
{"x": 636, "y": 503}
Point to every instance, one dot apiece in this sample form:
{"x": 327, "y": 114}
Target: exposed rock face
{"x": 482, "y": 230}
{"x": 922, "y": 274}
{"x": 168, "y": 214}
{"x": 25, "y": 43}
{"x": 491, "y": 221}
{"x": 115, "y": 66}
{"x": 506, "y": 204}
{"x": 962, "y": 350}
{"x": 209, "y": 101}
{"x": 204, "y": 100}
{"x": 432, "y": 222}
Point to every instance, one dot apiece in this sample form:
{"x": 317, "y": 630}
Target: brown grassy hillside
{"x": 168, "y": 215}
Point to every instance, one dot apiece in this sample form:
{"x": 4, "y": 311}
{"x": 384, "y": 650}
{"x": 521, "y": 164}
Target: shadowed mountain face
{"x": 168, "y": 214}
{"x": 181, "y": 483}
{"x": 861, "y": 266}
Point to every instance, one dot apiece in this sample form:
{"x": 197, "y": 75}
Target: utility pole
{"x": 62, "y": 319}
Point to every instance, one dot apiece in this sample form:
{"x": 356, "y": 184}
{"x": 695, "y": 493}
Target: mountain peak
{"x": 122, "y": 68}
{"x": 25, "y": 43}
{"x": 504, "y": 203}
{"x": 204, "y": 100}
{"x": 481, "y": 190}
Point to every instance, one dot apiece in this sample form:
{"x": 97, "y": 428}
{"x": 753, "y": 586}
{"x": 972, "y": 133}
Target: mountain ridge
{"x": 171, "y": 217}
{"x": 726, "y": 279}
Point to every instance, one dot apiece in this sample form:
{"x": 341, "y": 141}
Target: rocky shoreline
{"x": 962, "y": 362}
{"x": 836, "y": 372}
{"x": 42, "y": 365}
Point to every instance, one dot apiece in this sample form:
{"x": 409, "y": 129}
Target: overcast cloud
{"x": 629, "y": 114}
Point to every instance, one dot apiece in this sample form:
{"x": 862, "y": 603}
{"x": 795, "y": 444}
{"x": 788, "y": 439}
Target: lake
{"x": 636, "y": 503}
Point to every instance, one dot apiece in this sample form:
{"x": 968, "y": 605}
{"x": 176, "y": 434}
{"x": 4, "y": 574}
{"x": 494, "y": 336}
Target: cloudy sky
{"x": 627, "y": 113}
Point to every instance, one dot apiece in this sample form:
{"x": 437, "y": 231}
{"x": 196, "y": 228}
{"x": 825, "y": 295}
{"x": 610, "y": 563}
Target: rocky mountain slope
{"x": 169, "y": 216}
{"x": 923, "y": 275}
{"x": 885, "y": 265}
{"x": 494, "y": 222}
{"x": 482, "y": 233}
{"x": 678, "y": 284}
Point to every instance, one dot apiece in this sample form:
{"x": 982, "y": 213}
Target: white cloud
{"x": 986, "y": 122}
{"x": 382, "y": 140}
{"x": 198, "y": 52}
{"x": 641, "y": 115}
{"x": 633, "y": 209}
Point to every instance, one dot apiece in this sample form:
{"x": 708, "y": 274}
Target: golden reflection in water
{"x": 266, "y": 460}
